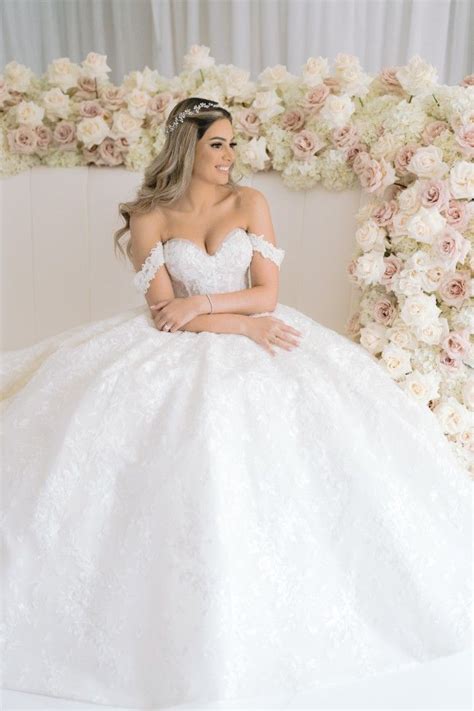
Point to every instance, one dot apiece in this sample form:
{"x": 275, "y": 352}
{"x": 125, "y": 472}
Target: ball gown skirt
{"x": 186, "y": 518}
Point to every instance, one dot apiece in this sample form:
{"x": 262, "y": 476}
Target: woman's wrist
{"x": 202, "y": 304}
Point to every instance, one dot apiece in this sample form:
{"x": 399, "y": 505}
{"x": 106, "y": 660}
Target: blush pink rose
{"x": 403, "y": 156}
{"x": 384, "y": 311}
{"x": 468, "y": 80}
{"x": 351, "y": 271}
{"x": 112, "y": 97}
{"x": 464, "y": 135}
{"x": 361, "y": 161}
{"x": 91, "y": 155}
{"x": 64, "y": 135}
{"x": 434, "y": 193}
{"x": 306, "y": 144}
{"x": 87, "y": 88}
{"x": 45, "y": 137}
{"x": 345, "y": 137}
{"x": 355, "y": 151}
{"x": 456, "y": 344}
{"x": 457, "y": 214}
{"x": 389, "y": 79}
{"x": 110, "y": 152}
{"x": 249, "y": 122}
{"x": 454, "y": 287}
{"x": 371, "y": 177}
{"x": 333, "y": 84}
{"x": 448, "y": 361}
{"x": 383, "y": 214}
{"x": 158, "y": 104}
{"x": 353, "y": 325}
{"x": 315, "y": 97}
{"x": 293, "y": 120}
{"x": 393, "y": 265}
{"x": 432, "y": 131}
{"x": 23, "y": 139}
{"x": 90, "y": 109}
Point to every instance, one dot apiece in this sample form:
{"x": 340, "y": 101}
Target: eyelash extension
{"x": 220, "y": 144}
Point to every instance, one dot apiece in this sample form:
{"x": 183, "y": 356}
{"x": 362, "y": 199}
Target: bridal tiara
{"x": 189, "y": 112}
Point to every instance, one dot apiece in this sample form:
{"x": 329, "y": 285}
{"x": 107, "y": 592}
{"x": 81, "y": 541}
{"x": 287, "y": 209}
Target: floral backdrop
{"x": 405, "y": 139}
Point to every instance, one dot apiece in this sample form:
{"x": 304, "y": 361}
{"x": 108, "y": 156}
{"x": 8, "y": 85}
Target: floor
{"x": 445, "y": 683}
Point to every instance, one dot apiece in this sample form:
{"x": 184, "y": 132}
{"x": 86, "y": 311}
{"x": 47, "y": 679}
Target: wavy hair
{"x": 168, "y": 176}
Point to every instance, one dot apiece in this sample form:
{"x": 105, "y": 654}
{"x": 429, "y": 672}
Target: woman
{"x": 189, "y": 518}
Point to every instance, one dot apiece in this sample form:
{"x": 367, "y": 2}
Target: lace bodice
{"x": 194, "y": 271}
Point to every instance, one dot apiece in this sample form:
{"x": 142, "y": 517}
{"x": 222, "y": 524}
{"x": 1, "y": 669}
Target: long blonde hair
{"x": 167, "y": 177}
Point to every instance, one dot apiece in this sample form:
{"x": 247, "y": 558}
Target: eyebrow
{"x": 222, "y": 139}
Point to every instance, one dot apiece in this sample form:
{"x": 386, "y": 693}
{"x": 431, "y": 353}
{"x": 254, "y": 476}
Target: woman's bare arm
{"x": 217, "y": 323}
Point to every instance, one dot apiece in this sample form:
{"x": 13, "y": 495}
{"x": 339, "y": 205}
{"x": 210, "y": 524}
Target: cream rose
{"x": 56, "y": 104}
{"x": 461, "y": 180}
{"x": 95, "y": 66}
{"x": 29, "y": 114}
{"x": 427, "y": 162}
{"x": 137, "y": 103}
{"x": 450, "y": 413}
{"x": 370, "y": 267}
{"x": 373, "y": 337}
{"x": 417, "y": 77}
{"x": 419, "y": 310}
{"x": 432, "y": 333}
{"x": 337, "y": 110}
{"x": 92, "y": 131}
{"x": 315, "y": 70}
{"x": 425, "y": 224}
{"x": 370, "y": 235}
{"x": 17, "y": 77}
{"x": 125, "y": 126}
{"x": 63, "y": 73}
{"x": 422, "y": 387}
{"x": 396, "y": 360}
{"x": 197, "y": 58}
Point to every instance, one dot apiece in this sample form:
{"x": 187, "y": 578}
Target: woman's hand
{"x": 269, "y": 330}
{"x": 174, "y": 313}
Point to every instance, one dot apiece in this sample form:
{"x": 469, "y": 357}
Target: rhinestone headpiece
{"x": 188, "y": 112}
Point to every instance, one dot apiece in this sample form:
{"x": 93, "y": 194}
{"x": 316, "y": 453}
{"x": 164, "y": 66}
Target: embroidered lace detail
{"x": 152, "y": 263}
{"x": 259, "y": 243}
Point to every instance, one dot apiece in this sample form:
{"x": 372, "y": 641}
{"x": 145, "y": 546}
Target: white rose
{"x": 349, "y": 73}
{"x": 272, "y": 76}
{"x": 425, "y": 224}
{"x": 410, "y": 199}
{"x": 417, "y": 77}
{"x": 427, "y": 162}
{"x": 422, "y": 387}
{"x": 17, "y": 76}
{"x": 399, "y": 224}
{"x": 420, "y": 310}
{"x": 236, "y": 82}
{"x": 369, "y": 235}
{"x": 409, "y": 282}
{"x": 432, "y": 333}
{"x": 125, "y": 126}
{"x": 254, "y": 153}
{"x": 56, "y": 103}
{"x": 197, "y": 58}
{"x": 337, "y": 110}
{"x": 402, "y": 336}
{"x": 385, "y": 146}
{"x": 63, "y": 73}
{"x": 315, "y": 70}
{"x": 396, "y": 360}
{"x": 451, "y": 415}
{"x": 461, "y": 180}
{"x": 137, "y": 102}
{"x": 267, "y": 104}
{"x": 95, "y": 66}
{"x": 370, "y": 267}
{"x": 373, "y": 337}
{"x": 92, "y": 131}
{"x": 29, "y": 114}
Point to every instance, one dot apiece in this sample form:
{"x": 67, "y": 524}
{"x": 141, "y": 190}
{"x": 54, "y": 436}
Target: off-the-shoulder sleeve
{"x": 266, "y": 248}
{"x": 152, "y": 263}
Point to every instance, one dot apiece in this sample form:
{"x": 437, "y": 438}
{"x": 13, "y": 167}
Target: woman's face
{"x": 215, "y": 151}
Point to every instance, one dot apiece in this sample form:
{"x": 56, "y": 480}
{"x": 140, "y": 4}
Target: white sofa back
{"x": 58, "y": 268}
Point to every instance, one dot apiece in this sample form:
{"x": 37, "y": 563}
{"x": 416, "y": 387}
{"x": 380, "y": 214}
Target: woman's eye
{"x": 217, "y": 145}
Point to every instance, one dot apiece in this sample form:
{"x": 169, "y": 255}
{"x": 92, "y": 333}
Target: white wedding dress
{"x": 186, "y": 518}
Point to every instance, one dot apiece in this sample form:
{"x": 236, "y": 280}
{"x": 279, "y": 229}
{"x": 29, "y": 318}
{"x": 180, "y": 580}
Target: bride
{"x": 212, "y": 496}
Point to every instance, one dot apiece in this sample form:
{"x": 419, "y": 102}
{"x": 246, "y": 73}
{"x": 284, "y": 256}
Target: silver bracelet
{"x": 209, "y": 302}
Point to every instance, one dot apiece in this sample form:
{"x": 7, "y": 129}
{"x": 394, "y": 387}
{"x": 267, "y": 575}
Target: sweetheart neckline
{"x": 205, "y": 252}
